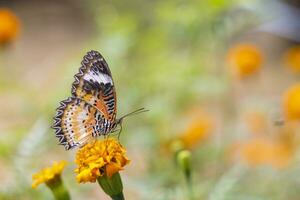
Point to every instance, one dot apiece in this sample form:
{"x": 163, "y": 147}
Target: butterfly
{"x": 91, "y": 110}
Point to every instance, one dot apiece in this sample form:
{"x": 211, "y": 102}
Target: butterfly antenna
{"x": 138, "y": 111}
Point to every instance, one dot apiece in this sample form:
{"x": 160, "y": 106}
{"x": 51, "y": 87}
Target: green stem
{"x": 190, "y": 187}
{"x": 58, "y": 189}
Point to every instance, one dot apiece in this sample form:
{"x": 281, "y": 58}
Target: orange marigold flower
{"x": 261, "y": 151}
{"x": 292, "y": 59}
{"x": 47, "y": 175}
{"x": 244, "y": 59}
{"x": 9, "y": 26}
{"x": 291, "y": 102}
{"x": 198, "y": 130}
{"x": 256, "y": 122}
{"x": 105, "y": 157}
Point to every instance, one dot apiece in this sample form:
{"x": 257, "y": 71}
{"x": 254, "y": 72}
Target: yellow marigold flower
{"x": 291, "y": 102}
{"x": 9, "y": 26}
{"x": 292, "y": 59}
{"x": 105, "y": 157}
{"x": 46, "y": 175}
{"x": 244, "y": 59}
{"x": 198, "y": 130}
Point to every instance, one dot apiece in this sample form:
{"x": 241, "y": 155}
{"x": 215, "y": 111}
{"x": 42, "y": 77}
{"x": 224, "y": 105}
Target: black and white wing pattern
{"x": 94, "y": 84}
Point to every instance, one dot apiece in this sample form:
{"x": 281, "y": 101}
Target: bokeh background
{"x": 220, "y": 78}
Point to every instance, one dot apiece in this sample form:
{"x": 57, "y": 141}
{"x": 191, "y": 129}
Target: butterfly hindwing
{"x": 94, "y": 84}
{"x": 76, "y": 122}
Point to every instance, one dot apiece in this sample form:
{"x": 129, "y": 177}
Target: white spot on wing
{"x": 99, "y": 77}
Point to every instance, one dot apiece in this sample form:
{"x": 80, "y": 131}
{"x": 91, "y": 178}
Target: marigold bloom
{"x": 291, "y": 102}
{"x": 198, "y": 130}
{"x": 292, "y": 59}
{"x": 46, "y": 175}
{"x": 9, "y": 26}
{"x": 100, "y": 158}
{"x": 244, "y": 59}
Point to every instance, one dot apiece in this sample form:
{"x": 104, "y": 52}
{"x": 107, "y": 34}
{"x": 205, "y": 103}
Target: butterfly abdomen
{"x": 104, "y": 127}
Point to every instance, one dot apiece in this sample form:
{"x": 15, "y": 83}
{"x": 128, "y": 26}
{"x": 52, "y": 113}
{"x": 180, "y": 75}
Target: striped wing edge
{"x": 57, "y": 125}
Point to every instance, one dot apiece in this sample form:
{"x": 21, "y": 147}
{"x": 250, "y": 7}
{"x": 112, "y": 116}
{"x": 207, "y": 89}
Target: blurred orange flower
{"x": 291, "y": 102}
{"x": 244, "y": 59}
{"x": 197, "y": 130}
{"x": 260, "y": 151}
{"x": 9, "y": 26}
{"x": 292, "y": 59}
{"x": 288, "y": 134}
{"x": 256, "y": 122}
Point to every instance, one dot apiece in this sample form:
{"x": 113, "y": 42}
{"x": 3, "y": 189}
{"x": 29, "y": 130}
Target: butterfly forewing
{"x": 94, "y": 84}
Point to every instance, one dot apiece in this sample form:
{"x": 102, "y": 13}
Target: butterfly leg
{"x": 119, "y": 133}
{"x": 106, "y": 137}
{"x": 114, "y": 132}
{"x": 93, "y": 140}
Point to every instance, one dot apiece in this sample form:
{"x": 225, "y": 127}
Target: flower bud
{"x": 184, "y": 162}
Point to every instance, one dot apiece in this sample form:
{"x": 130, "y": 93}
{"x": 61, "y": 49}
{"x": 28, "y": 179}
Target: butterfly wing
{"x": 94, "y": 84}
{"x": 76, "y": 122}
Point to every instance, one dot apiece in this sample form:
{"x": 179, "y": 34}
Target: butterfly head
{"x": 116, "y": 123}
